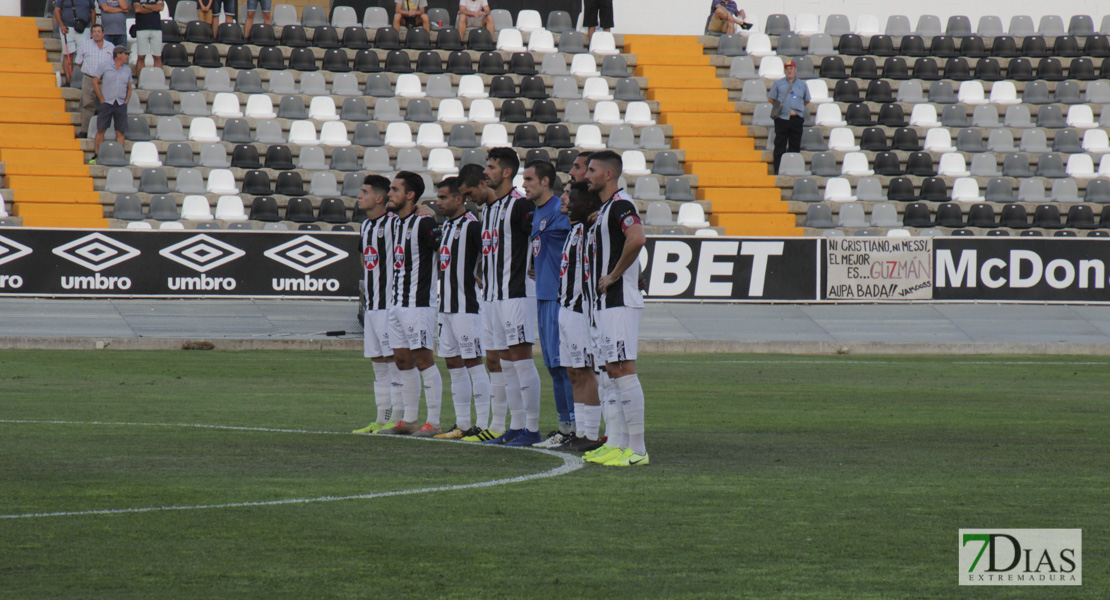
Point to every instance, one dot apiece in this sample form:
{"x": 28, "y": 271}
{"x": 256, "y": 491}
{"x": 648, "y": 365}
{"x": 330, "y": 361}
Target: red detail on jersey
{"x": 444, "y": 258}
{"x": 399, "y": 256}
{"x": 535, "y": 246}
{"x": 495, "y": 241}
{"x": 370, "y": 258}
{"x": 629, "y": 221}
{"x": 487, "y": 242}
{"x": 563, "y": 265}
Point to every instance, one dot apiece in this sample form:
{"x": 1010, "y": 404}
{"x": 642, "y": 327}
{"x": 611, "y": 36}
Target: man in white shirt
{"x": 474, "y": 14}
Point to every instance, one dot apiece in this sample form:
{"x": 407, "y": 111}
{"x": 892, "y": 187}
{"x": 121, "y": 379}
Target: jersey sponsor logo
{"x": 444, "y": 258}
{"x": 488, "y": 244}
{"x": 370, "y": 258}
{"x": 399, "y": 256}
{"x": 629, "y": 221}
{"x": 535, "y": 246}
{"x": 564, "y": 265}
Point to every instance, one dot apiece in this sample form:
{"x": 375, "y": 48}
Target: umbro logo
{"x": 306, "y": 254}
{"x": 96, "y": 252}
{"x": 202, "y": 253}
{"x": 11, "y": 250}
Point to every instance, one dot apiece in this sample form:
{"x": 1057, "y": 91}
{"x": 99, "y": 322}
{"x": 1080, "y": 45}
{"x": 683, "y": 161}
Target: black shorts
{"x": 598, "y": 13}
{"x": 112, "y": 112}
{"x": 412, "y": 22}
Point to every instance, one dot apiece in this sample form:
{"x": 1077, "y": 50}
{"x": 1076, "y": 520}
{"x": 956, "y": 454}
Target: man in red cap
{"x": 789, "y": 98}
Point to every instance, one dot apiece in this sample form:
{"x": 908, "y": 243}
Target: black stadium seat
{"x": 397, "y": 61}
{"x": 256, "y": 183}
{"x": 430, "y": 62}
{"x": 302, "y": 59}
{"x": 851, "y": 45}
{"x": 491, "y": 63}
{"x": 925, "y": 68}
{"x": 366, "y": 61}
{"x": 293, "y": 36}
{"x": 418, "y": 39}
{"x": 335, "y": 60}
{"x": 263, "y": 35}
{"x": 229, "y": 33}
{"x": 387, "y": 38}
{"x": 206, "y": 55}
{"x": 460, "y": 63}
{"x": 175, "y": 55}
{"x": 913, "y": 46}
{"x": 354, "y": 38}
{"x": 240, "y": 57}
{"x": 448, "y": 39}
{"x": 271, "y": 59}
{"x": 199, "y": 32}
{"x": 325, "y": 37}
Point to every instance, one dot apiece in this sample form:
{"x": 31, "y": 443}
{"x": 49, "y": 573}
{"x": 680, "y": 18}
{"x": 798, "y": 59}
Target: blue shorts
{"x": 547, "y": 314}
{"x": 110, "y": 112}
{"x": 252, "y": 5}
{"x": 228, "y": 7}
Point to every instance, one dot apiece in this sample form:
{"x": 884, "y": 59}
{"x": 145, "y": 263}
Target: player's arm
{"x": 634, "y": 239}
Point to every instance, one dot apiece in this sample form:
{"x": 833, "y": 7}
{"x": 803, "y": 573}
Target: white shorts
{"x": 460, "y": 335}
{"x": 575, "y": 348}
{"x": 508, "y": 322}
{"x": 148, "y": 42}
{"x": 619, "y": 329}
{"x": 72, "y": 40}
{"x": 375, "y": 334}
{"x": 412, "y": 327}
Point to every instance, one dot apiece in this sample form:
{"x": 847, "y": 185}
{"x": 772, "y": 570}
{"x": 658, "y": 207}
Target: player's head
{"x": 581, "y": 202}
{"x": 539, "y": 178}
{"x": 373, "y": 193}
{"x": 473, "y": 185}
{"x": 501, "y": 166}
{"x": 604, "y": 171}
{"x": 449, "y": 199}
{"x": 578, "y": 169}
{"x": 405, "y": 190}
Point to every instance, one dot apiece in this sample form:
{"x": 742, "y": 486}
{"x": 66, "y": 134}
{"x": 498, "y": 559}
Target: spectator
{"x": 113, "y": 15}
{"x": 724, "y": 17}
{"x": 93, "y": 54}
{"x": 230, "y": 8}
{"x": 148, "y": 31}
{"x": 789, "y": 98}
{"x": 73, "y": 18}
{"x": 113, "y": 88}
{"x": 474, "y": 14}
{"x": 410, "y": 13}
{"x": 252, "y": 6}
{"x": 598, "y": 13}
{"x": 204, "y": 12}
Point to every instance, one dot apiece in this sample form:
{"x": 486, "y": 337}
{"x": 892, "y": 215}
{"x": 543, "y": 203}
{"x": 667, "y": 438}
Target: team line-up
{"x": 480, "y": 285}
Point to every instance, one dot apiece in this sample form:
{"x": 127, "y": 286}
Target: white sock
{"x": 579, "y": 417}
{"x": 614, "y": 420}
{"x": 410, "y": 380}
{"x": 396, "y": 394}
{"x": 529, "y": 377}
{"x": 592, "y": 421}
{"x": 497, "y": 400}
{"x": 512, "y": 395}
{"x": 383, "y": 387}
{"x": 632, "y": 403}
{"x": 460, "y": 397}
{"x": 433, "y": 393}
{"x": 481, "y": 386}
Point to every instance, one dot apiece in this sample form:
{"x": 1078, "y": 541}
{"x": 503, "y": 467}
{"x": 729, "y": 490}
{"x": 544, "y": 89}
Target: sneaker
{"x": 504, "y": 438}
{"x": 82, "y": 136}
{"x": 481, "y": 435}
{"x": 427, "y": 430}
{"x": 582, "y": 444}
{"x": 629, "y": 459}
{"x": 527, "y": 438}
{"x": 401, "y": 428}
{"x": 614, "y": 458}
{"x": 552, "y": 440}
{"x": 373, "y": 427}
{"x": 453, "y": 434}
{"x": 602, "y": 455}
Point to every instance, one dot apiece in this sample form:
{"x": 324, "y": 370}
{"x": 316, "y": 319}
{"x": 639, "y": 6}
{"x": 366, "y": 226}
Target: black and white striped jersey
{"x": 415, "y": 245}
{"x": 606, "y": 238}
{"x": 572, "y": 274}
{"x": 514, "y": 248}
{"x": 459, "y": 250}
{"x": 377, "y": 247}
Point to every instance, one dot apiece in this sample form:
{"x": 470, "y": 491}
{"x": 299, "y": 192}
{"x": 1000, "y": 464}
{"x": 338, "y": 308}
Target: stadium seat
{"x": 399, "y": 135}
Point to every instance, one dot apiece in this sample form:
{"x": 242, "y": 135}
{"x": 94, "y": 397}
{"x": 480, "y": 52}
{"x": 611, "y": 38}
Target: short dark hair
{"x": 471, "y": 175}
{"x": 610, "y": 158}
{"x": 413, "y": 183}
{"x": 544, "y": 170}
{"x": 452, "y": 185}
{"x": 377, "y": 183}
{"x": 507, "y": 158}
{"x": 586, "y": 154}
{"x": 582, "y": 188}
{"x": 95, "y": 25}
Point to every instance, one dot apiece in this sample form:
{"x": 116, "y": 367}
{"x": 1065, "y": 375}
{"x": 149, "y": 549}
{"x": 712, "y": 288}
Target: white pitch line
{"x": 880, "y": 362}
{"x": 570, "y": 464}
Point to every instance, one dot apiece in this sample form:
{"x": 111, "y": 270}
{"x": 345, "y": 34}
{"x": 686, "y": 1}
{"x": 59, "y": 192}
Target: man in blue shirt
{"x": 550, "y": 228}
{"x": 112, "y": 85}
{"x": 790, "y": 97}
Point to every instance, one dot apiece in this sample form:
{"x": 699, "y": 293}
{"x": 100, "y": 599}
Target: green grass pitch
{"x": 771, "y": 477}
